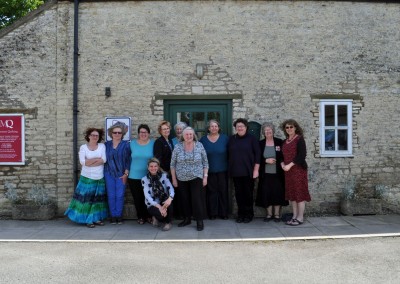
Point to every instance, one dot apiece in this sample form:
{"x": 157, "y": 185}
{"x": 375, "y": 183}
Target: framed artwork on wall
{"x": 124, "y": 121}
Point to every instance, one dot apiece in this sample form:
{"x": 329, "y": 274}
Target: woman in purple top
{"x": 116, "y": 170}
{"x": 244, "y": 162}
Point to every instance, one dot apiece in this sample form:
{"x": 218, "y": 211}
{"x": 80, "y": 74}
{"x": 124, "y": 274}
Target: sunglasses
{"x": 289, "y": 127}
{"x": 117, "y": 132}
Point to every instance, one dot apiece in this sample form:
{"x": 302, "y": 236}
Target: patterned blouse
{"x": 148, "y": 191}
{"x": 189, "y": 165}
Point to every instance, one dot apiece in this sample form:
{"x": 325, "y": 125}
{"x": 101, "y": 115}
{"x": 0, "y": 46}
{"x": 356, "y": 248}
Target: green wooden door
{"x": 197, "y": 113}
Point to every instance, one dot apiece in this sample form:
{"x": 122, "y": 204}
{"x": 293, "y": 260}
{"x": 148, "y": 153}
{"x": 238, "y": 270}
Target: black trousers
{"x": 244, "y": 187}
{"x": 193, "y": 197}
{"x": 136, "y": 188}
{"x": 217, "y": 194}
{"x": 156, "y": 213}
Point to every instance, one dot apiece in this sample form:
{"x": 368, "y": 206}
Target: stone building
{"x": 332, "y": 66}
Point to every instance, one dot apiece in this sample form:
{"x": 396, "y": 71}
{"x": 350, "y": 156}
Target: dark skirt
{"x": 271, "y": 191}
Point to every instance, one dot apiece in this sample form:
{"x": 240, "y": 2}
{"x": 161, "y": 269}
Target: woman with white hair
{"x": 189, "y": 171}
{"x": 178, "y": 128}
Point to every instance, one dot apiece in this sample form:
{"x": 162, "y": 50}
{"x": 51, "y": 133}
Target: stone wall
{"x": 279, "y": 56}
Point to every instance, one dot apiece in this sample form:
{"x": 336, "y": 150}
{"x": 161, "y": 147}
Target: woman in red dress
{"x": 295, "y": 167}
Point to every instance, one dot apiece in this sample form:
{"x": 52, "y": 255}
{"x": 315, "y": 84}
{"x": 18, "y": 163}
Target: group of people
{"x": 187, "y": 178}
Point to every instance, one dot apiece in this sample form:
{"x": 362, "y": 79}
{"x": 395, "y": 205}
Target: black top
{"x": 243, "y": 154}
{"x": 163, "y": 152}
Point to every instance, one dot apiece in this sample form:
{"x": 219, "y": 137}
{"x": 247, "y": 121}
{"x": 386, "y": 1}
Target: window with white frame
{"x": 336, "y": 128}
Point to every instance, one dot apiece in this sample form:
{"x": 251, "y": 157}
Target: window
{"x": 336, "y": 128}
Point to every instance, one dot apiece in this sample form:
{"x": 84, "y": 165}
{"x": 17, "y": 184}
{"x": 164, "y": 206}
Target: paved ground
{"x": 216, "y": 230}
{"x": 363, "y": 249}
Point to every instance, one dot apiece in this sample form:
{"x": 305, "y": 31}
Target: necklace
{"x": 290, "y": 140}
{"x": 92, "y": 147}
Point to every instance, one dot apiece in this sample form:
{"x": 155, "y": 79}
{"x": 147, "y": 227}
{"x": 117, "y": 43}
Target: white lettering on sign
{"x": 6, "y": 123}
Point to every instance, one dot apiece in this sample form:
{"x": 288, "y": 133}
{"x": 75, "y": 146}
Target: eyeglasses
{"x": 163, "y": 129}
{"x": 144, "y": 132}
{"x": 94, "y": 135}
{"x": 117, "y": 132}
{"x": 290, "y": 126}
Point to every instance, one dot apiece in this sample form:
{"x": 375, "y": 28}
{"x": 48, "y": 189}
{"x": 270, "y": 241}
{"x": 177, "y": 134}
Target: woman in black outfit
{"x": 243, "y": 163}
{"x": 163, "y": 146}
{"x": 271, "y": 185}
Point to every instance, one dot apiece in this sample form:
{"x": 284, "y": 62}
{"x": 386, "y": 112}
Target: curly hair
{"x": 89, "y": 131}
{"x": 299, "y": 130}
{"x": 241, "y": 120}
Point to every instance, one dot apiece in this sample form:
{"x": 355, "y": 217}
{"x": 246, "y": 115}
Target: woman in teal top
{"x": 215, "y": 144}
{"x": 142, "y": 151}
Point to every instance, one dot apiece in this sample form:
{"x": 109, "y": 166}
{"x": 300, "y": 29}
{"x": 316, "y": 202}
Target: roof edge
{"x": 28, "y": 17}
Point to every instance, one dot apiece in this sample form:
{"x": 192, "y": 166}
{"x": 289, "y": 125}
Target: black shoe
{"x": 239, "y": 220}
{"x": 277, "y": 218}
{"x": 247, "y": 220}
{"x": 113, "y": 221}
{"x": 200, "y": 226}
{"x": 268, "y": 218}
{"x": 185, "y": 222}
{"x": 119, "y": 221}
{"x": 213, "y": 217}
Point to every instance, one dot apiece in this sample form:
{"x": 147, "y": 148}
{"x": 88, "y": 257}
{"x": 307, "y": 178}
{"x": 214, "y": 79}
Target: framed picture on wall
{"x": 124, "y": 121}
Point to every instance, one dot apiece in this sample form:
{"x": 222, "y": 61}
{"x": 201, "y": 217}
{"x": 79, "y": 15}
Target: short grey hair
{"x": 181, "y": 124}
{"x": 188, "y": 129}
{"x": 269, "y": 125}
{"x": 213, "y": 121}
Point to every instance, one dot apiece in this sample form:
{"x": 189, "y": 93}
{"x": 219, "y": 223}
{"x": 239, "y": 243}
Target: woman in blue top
{"x": 116, "y": 170}
{"x": 141, "y": 152}
{"x": 215, "y": 144}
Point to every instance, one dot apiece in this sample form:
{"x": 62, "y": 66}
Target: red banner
{"x": 12, "y": 139}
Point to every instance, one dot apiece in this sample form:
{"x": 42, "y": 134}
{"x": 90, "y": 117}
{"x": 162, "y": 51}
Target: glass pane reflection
{"x": 330, "y": 140}
{"x": 342, "y": 115}
{"x": 329, "y": 115}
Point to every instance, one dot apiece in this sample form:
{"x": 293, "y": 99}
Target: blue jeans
{"x": 115, "y": 195}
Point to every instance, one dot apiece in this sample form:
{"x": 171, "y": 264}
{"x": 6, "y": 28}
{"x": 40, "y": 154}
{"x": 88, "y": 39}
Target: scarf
{"x": 157, "y": 188}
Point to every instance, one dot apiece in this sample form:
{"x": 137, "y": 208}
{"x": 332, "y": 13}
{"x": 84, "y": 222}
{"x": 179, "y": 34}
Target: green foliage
{"x": 12, "y": 10}
{"x": 349, "y": 189}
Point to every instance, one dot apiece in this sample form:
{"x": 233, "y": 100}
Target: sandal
{"x": 296, "y": 222}
{"x": 141, "y": 221}
{"x": 91, "y": 225}
{"x": 290, "y": 222}
{"x": 99, "y": 223}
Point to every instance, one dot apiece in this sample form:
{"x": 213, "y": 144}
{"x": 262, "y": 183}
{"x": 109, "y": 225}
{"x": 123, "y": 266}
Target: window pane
{"x": 183, "y": 116}
{"x": 329, "y": 115}
{"x": 342, "y": 115}
{"x": 213, "y": 115}
{"x": 342, "y": 139}
{"x": 198, "y": 121}
{"x": 330, "y": 140}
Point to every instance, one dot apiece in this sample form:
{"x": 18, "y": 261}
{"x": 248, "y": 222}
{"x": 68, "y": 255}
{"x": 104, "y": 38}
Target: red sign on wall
{"x": 12, "y": 139}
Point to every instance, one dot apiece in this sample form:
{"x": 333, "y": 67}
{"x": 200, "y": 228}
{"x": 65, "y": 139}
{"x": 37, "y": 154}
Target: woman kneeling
{"x": 158, "y": 193}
